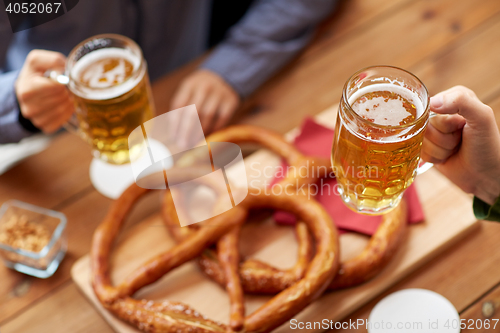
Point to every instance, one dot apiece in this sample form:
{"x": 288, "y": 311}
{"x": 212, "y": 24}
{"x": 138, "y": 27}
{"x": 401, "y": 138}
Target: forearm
{"x": 487, "y": 157}
{"x": 267, "y": 37}
{"x": 486, "y": 203}
{"x": 489, "y": 191}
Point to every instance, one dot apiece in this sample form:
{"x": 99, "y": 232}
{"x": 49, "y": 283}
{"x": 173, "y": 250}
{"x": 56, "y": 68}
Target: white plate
{"x": 414, "y": 311}
{"x": 111, "y": 180}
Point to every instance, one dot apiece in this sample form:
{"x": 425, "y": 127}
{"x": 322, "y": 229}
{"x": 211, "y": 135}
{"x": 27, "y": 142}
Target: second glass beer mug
{"x": 380, "y": 127}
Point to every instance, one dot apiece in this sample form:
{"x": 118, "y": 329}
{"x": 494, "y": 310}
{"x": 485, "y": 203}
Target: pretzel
{"x": 229, "y": 259}
{"x": 295, "y": 287}
{"x": 276, "y": 279}
{"x": 261, "y": 278}
{"x": 244, "y": 134}
{"x": 378, "y": 253}
{"x": 256, "y": 276}
{"x": 167, "y": 316}
{"x": 241, "y": 134}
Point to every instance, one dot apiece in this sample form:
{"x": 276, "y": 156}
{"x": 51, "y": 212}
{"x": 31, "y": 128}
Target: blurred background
{"x": 443, "y": 42}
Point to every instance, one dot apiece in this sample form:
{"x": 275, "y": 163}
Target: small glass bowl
{"x": 44, "y": 263}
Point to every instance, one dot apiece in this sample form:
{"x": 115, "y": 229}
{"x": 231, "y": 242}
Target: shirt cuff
{"x": 25, "y": 123}
{"x": 11, "y": 129}
{"x": 483, "y": 211}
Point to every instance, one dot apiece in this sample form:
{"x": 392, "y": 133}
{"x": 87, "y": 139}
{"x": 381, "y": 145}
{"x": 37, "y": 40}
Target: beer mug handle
{"x": 424, "y": 166}
{"x": 72, "y": 124}
{"x": 57, "y": 77}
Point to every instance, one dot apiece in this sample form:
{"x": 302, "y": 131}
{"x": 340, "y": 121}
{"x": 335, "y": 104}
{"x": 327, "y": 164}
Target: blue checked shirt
{"x": 170, "y": 33}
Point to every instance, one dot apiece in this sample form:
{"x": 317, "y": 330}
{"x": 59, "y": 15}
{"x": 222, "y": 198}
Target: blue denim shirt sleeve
{"x": 10, "y": 128}
{"x": 264, "y": 40}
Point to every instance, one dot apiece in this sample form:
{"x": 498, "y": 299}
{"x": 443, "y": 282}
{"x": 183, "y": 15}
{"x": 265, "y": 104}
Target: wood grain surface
{"x": 445, "y": 42}
{"x": 277, "y": 245}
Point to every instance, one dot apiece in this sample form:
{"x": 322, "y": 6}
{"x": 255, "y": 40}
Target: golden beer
{"x": 377, "y": 142}
{"x": 112, "y": 97}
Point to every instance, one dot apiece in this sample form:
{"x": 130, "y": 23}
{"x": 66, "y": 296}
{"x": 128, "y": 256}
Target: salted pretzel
{"x": 261, "y": 278}
{"x": 168, "y": 316}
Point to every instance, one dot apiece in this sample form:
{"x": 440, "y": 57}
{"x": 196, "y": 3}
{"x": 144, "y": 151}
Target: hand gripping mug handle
{"x": 424, "y": 166}
{"x": 72, "y": 124}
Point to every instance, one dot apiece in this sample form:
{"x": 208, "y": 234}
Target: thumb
{"x": 462, "y": 101}
{"x": 39, "y": 61}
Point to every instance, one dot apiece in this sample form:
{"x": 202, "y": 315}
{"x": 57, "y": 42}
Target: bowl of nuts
{"x": 32, "y": 239}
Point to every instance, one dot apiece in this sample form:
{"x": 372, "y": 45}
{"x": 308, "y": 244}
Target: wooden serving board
{"x": 448, "y": 214}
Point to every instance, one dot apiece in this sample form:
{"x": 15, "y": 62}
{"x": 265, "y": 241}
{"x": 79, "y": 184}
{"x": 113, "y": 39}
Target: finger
{"x": 64, "y": 115}
{"x": 68, "y": 109}
{"x": 40, "y": 106}
{"x": 464, "y": 102}
{"x": 199, "y": 96}
{"x": 42, "y": 60}
{"x": 208, "y": 111}
{"x": 187, "y": 130}
{"x": 188, "y": 127}
{"x": 55, "y": 111}
{"x": 196, "y": 133}
{"x": 39, "y": 88}
{"x": 226, "y": 110}
{"x": 443, "y": 140}
{"x": 427, "y": 158}
{"x": 434, "y": 153}
{"x": 447, "y": 123}
{"x": 51, "y": 122}
{"x": 52, "y": 99}
{"x": 173, "y": 125}
{"x": 56, "y": 95}
{"x": 182, "y": 96}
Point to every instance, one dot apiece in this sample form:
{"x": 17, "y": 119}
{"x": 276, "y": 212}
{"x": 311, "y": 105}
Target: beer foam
{"x": 385, "y": 112}
{"x": 99, "y": 90}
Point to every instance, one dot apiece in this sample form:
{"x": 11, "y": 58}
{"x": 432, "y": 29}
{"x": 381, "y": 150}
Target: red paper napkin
{"x": 316, "y": 140}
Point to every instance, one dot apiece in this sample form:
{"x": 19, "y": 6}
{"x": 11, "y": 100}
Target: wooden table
{"x": 444, "y": 42}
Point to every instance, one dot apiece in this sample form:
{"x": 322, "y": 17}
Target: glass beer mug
{"x": 107, "y": 76}
{"x": 380, "y": 127}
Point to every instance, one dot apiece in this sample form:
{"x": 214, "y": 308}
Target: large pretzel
{"x": 259, "y": 277}
{"x": 167, "y": 316}
{"x": 275, "y": 279}
{"x": 252, "y": 275}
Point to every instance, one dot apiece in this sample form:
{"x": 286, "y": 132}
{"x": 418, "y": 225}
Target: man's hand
{"x": 214, "y": 98}
{"x": 47, "y": 104}
{"x": 464, "y": 142}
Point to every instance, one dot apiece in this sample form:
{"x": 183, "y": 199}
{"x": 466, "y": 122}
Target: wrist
{"x": 488, "y": 190}
{"x": 25, "y": 122}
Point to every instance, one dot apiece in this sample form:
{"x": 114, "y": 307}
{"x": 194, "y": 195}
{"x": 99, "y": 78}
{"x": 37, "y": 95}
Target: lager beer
{"x": 112, "y": 97}
{"x": 378, "y": 138}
